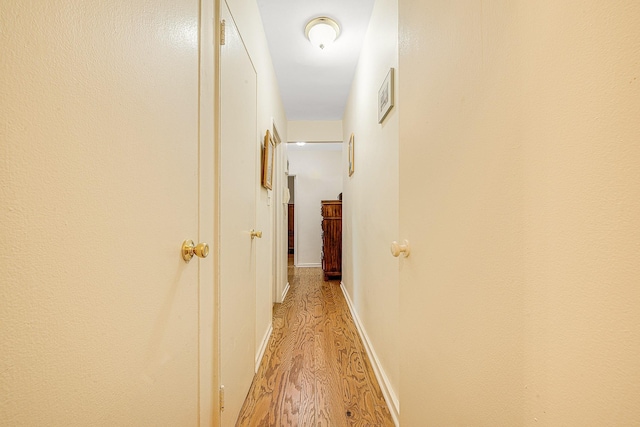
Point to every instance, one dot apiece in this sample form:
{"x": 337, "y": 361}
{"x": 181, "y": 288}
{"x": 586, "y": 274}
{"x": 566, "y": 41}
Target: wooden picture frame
{"x": 267, "y": 161}
{"x": 386, "y": 96}
{"x": 351, "y": 154}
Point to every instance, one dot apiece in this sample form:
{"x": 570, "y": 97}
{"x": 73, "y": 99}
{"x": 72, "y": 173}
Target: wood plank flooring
{"x": 315, "y": 371}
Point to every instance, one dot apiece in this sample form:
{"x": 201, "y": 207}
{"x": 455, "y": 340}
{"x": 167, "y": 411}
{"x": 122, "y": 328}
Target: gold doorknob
{"x": 189, "y": 249}
{"x": 255, "y": 234}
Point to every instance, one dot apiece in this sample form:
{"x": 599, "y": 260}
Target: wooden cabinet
{"x": 290, "y": 227}
{"x": 332, "y": 238}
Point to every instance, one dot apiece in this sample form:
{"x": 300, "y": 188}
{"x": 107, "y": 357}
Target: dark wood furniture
{"x": 332, "y": 238}
{"x": 290, "y": 216}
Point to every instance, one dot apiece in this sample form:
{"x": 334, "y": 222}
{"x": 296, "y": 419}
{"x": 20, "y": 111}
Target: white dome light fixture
{"x": 322, "y": 31}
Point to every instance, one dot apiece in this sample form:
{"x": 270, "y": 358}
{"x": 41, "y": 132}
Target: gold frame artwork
{"x": 267, "y": 161}
{"x": 351, "y": 155}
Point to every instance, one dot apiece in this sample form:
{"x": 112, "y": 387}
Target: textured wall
{"x": 520, "y": 194}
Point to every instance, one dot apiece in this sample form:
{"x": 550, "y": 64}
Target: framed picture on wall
{"x": 267, "y": 161}
{"x": 351, "y": 154}
{"x": 385, "y": 96}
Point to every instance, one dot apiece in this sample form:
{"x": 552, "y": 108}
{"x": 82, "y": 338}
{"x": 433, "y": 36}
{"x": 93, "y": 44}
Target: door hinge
{"x": 222, "y": 33}
{"x": 221, "y": 398}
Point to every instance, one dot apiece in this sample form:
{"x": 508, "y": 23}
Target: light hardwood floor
{"x": 315, "y": 371}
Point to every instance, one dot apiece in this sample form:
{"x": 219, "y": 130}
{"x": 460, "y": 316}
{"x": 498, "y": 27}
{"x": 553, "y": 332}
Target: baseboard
{"x": 310, "y": 265}
{"x": 389, "y": 394}
{"x": 263, "y": 346}
{"x": 284, "y": 292}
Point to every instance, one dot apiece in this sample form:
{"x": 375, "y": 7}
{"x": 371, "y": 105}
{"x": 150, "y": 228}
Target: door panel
{"x": 208, "y": 365}
{"x": 238, "y": 110}
{"x": 99, "y": 187}
{"x": 521, "y": 201}
{"x": 459, "y": 208}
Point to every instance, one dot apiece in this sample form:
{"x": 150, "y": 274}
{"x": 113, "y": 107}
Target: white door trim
{"x": 208, "y": 405}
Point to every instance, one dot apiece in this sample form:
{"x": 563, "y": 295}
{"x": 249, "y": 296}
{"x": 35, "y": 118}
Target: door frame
{"x": 208, "y": 200}
{"x": 222, "y": 7}
{"x": 279, "y": 218}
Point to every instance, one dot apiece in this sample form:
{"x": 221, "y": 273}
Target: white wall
{"x": 317, "y": 168}
{"x": 247, "y": 17}
{"x": 370, "y": 200}
{"x": 520, "y": 194}
{"x": 315, "y": 131}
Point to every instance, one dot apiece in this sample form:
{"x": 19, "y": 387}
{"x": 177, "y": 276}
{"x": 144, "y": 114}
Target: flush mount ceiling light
{"x": 322, "y": 31}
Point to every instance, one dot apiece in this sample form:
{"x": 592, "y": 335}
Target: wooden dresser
{"x": 332, "y": 238}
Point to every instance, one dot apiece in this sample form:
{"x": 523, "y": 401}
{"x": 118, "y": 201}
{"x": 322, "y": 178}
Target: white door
{"x": 459, "y": 204}
{"x": 238, "y": 146}
{"x": 99, "y": 188}
{"x": 519, "y": 192}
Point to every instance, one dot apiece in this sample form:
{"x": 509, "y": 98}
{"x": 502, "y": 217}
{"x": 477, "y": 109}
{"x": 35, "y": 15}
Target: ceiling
{"x": 314, "y": 84}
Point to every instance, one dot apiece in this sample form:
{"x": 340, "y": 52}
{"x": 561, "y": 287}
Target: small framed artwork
{"x": 351, "y": 154}
{"x": 385, "y": 96}
{"x": 267, "y": 161}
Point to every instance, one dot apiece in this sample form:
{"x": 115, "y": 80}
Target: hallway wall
{"x": 370, "y": 199}
{"x": 314, "y": 130}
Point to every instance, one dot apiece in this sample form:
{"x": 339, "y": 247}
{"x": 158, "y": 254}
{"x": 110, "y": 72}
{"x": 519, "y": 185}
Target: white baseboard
{"x": 284, "y": 292}
{"x": 389, "y": 394}
{"x": 263, "y": 346}
{"x": 310, "y": 265}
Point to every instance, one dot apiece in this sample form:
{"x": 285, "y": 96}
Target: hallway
{"x": 497, "y": 143}
{"x": 315, "y": 370}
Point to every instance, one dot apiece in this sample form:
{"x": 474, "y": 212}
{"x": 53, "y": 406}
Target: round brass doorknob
{"x": 201, "y": 250}
{"x": 189, "y": 249}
